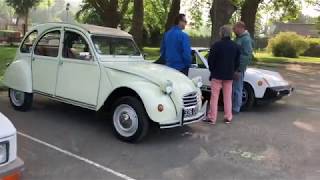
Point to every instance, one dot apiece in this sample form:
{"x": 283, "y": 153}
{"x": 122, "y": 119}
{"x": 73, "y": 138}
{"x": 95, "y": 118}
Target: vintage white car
{"x": 261, "y": 86}
{"x": 101, "y": 68}
{"x": 10, "y": 165}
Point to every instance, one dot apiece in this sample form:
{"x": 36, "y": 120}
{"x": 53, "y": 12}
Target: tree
{"x": 249, "y": 11}
{"x": 110, "y": 12}
{"x": 137, "y": 22}
{"x": 173, "y": 13}
{"x": 22, "y": 9}
{"x": 220, "y": 12}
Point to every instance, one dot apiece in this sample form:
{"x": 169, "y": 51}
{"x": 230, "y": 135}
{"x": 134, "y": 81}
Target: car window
{"x": 75, "y": 47}
{"x": 115, "y": 46}
{"x": 28, "y": 42}
{"x": 198, "y": 61}
{"x": 48, "y": 45}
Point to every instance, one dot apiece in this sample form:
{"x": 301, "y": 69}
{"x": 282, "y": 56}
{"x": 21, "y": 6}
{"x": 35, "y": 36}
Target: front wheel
{"x": 129, "y": 119}
{"x": 248, "y": 97}
{"x": 20, "y": 101}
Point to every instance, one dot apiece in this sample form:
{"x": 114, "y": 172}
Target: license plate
{"x": 190, "y": 112}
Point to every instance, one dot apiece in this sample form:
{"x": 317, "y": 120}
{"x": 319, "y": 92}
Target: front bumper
{"x": 12, "y": 170}
{"x": 181, "y": 120}
{"x": 276, "y": 93}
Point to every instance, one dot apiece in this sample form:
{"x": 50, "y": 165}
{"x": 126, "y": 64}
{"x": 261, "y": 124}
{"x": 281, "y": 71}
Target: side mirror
{"x": 145, "y": 55}
{"x": 85, "y": 56}
{"x": 194, "y": 66}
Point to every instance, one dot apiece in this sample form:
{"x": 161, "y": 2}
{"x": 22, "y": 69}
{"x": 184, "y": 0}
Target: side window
{"x": 26, "y": 46}
{"x": 48, "y": 44}
{"x": 199, "y": 61}
{"x": 75, "y": 47}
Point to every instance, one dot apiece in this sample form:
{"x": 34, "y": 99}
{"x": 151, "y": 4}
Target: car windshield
{"x": 115, "y": 46}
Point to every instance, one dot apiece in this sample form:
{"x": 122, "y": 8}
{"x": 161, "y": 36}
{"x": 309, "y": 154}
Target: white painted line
{"x": 118, "y": 174}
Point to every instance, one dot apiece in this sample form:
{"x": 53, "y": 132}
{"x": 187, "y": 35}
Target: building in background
{"x": 309, "y": 30}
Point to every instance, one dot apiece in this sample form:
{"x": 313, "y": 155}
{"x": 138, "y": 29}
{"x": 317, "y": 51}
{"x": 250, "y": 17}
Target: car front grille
{"x": 190, "y": 99}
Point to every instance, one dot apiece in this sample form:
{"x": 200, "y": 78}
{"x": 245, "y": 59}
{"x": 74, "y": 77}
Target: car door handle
{"x": 33, "y": 59}
{"x": 60, "y": 63}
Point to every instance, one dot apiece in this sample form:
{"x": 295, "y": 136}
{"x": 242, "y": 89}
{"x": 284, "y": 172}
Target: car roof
{"x": 92, "y": 29}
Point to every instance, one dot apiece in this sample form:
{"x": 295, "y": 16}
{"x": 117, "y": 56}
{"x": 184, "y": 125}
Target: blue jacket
{"x": 175, "y": 49}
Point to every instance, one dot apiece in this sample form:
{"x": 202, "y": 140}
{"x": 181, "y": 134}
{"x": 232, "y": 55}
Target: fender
{"x": 19, "y": 76}
{"x": 150, "y": 94}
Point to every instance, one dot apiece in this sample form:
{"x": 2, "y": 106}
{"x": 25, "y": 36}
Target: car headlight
{"x": 168, "y": 87}
{"x": 4, "y": 147}
{"x": 197, "y": 82}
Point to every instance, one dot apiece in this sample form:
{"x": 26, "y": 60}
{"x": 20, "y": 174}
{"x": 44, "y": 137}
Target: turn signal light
{"x": 15, "y": 176}
{"x": 160, "y": 108}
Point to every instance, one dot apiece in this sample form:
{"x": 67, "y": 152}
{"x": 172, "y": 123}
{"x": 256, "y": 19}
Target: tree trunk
{"x": 112, "y": 15}
{"x": 221, "y": 13}
{"x": 137, "y": 22}
{"x": 248, "y": 14}
{"x": 173, "y": 13}
{"x": 26, "y": 22}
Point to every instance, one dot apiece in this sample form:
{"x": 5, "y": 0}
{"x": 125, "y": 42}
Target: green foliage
{"x": 7, "y": 55}
{"x": 22, "y": 7}
{"x": 196, "y": 12}
{"x": 288, "y": 44}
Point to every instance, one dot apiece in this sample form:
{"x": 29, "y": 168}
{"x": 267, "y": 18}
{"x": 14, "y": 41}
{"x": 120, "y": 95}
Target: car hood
{"x": 155, "y": 73}
{"x": 6, "y": 127}
{"x": 273, "y": 78}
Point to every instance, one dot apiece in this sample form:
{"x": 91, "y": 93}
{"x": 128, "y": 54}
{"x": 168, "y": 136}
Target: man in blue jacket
{"x": 175, "y": 47}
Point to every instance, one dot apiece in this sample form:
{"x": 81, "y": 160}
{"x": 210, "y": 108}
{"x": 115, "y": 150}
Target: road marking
{"x": 118, "y": 174}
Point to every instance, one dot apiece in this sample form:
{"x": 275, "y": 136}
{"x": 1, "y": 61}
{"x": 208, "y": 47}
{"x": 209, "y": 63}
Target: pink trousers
{"x": 216, "y": 86}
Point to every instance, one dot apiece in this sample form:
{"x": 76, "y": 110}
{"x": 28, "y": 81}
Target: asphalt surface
{"x": 274, "y": 142}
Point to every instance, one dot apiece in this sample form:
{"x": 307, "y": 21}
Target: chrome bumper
{"x": 181, "y": 121}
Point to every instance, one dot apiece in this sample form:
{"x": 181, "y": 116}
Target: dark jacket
{"x": 175, "y": 49}
{"x": 224, "y": 59}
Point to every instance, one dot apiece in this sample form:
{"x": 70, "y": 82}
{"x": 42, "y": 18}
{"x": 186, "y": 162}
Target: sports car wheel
{"x": 248, "y": 98}
{"x": 130, "y": 121}
{"x": 20, "y": 101}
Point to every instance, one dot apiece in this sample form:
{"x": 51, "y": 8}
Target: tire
{"x": 248, "y": 99}
{"x": 130, "y": 112}
{"x": 19, "y": 100}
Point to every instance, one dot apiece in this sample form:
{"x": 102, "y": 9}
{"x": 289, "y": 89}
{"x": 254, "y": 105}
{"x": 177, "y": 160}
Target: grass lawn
{"x": 269, "y": 58}
{"x": 6, "y": 55}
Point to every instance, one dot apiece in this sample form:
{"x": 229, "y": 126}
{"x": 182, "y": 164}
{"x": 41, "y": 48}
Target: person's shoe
{"x": 227, "y": 121}
{"x": 212, "y": 122}
{"x": 235, "y": 112}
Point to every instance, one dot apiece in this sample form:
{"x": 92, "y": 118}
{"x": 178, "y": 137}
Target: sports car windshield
{"x": 115, "y": 46}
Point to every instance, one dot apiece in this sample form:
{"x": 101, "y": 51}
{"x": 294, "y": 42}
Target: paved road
{"x": 279, "y": 141}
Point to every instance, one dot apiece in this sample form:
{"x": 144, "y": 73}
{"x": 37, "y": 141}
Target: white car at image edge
{"x": 260, "y": 86}
{"x": 10, "y": 165}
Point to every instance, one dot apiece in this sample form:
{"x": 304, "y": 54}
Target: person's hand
{"x": 237, "y": 76}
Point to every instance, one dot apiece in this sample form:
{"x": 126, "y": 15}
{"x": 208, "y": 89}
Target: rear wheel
{"x": 20, "y": 101}
{"x": 130, "y": 121}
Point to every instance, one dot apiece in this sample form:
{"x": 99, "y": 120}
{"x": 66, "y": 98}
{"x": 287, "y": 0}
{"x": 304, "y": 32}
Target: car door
{"x": 45, "y": 62}
{"x": 78, "y": 72}
{"x": 199, "y": 68}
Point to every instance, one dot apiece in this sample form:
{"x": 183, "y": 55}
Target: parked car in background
{"x": 10, "y": 165}
{"x": 101, "y": 68}
{"x": 260, "y": 86}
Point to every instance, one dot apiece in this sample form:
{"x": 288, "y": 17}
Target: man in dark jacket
{"x": 175, "y": 48}
{"x": 224, "y": 61}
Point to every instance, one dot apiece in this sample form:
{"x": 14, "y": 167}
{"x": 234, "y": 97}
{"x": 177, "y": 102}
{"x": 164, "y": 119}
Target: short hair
{"x": 240, "y": 24}
{"x": 225, "y": 31}
{"x": 179, "y": 18}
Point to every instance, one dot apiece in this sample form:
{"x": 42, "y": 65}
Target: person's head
{"x": 181, "y": 21}
{"x": 225, "y": 31}
{"x": 239, "y": 28}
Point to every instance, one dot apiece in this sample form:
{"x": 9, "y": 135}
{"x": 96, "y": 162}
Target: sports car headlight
{"x": 4, "y": 152}
{"x": 168, "y": 87}
{"x": 197, "y": 82}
